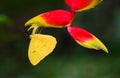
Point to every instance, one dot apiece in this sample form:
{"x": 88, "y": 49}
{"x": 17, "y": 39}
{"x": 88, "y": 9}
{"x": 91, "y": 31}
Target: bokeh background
{"x": 69, "y": 60}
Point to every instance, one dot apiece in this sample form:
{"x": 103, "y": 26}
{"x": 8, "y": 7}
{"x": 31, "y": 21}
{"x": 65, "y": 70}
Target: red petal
{"x": 55, "y": 18}
{"x": 77, "y": 4}
{"x": 86, "y": 39}
{"x": 80, "y": 5}
{"x": 79, "y": 34}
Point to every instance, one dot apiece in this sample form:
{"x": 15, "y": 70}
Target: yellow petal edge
{"x": 94, "y": 44}
{"x": 91, "y": 5}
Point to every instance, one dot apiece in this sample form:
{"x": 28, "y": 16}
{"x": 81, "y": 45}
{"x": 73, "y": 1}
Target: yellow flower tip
{"x": 93, "y": 4}
{"x": 100, "y": 45}
{"x": 103, "y": 47}
{"x": 94, "y": 44}
{"x": 97, "y": 44}
{"x": 105, "y": 50}
{"x": 40, "y": 46}
{"x": 34, "y": 20}
{"x": 26, "y": 24}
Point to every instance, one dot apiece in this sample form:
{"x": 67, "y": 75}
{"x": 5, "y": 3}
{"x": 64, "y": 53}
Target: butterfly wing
{"x": 40, "y": 46}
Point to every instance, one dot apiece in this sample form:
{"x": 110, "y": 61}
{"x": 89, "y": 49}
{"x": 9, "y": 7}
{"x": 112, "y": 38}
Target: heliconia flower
{"x": 86, "y": 39}
{"x": 40, "y": 46}
{"x": 81, "y": 5}
{"x": 54, "y": 18}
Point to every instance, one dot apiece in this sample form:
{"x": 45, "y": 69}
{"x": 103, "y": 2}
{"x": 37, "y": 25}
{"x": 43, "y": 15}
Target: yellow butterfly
{"x": 40, "y": 46}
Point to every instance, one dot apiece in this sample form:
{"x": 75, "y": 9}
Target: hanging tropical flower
{"x": 42, "y": 45}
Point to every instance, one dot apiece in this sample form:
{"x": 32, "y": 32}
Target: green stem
{"x": 35, "y": 27}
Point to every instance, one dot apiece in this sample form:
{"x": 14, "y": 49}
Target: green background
{"x": 68, "y": 60}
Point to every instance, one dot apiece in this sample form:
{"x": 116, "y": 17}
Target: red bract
{"x": 80, "y": 5}
{"x": 58, "y": 17}
{"x": 79, "y": 34}
{"x": 86, "y": 39}
{"x": 55, "y": 18}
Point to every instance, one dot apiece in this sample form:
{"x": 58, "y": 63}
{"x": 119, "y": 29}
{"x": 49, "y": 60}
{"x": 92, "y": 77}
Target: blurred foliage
{"x": 69, "y": 60}
{"x": 5, "y": 20}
